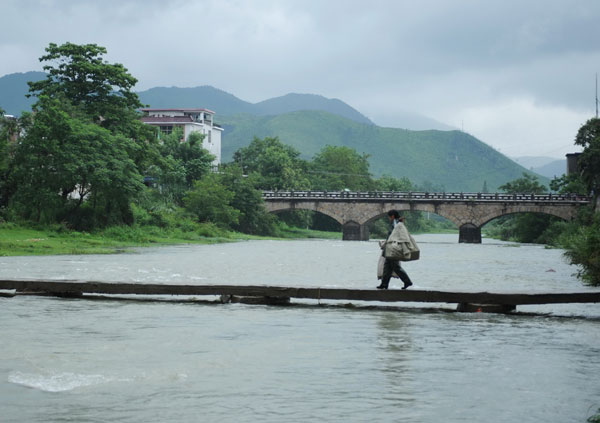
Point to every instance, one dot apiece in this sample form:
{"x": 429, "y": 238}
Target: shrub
{"x": 582, "y": 249}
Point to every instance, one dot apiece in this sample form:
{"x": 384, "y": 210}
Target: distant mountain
{"x": 550, "y": 170}
{"x": 533, "y": 161}
{"x": 225, "y": 104}
{"x": 297, "y": 102}
{"x": 453, "y": 160}
{"x": 409, "y": 120}
{"x": 205, "y": 96}
{"x": 13, "y": 88}
{"x": 545, "y": 166}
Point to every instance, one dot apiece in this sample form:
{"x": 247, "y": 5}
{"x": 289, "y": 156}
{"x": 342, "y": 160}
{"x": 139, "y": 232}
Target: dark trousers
{"x": 391, "y": 266}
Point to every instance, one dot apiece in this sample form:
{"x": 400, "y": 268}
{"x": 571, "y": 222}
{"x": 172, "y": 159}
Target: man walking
{"x": 392, "y": 266}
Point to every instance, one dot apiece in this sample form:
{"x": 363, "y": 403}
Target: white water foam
{"x": 59, "y": 382}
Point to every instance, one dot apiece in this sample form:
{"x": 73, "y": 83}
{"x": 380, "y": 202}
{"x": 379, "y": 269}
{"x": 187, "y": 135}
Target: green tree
{"x": 485, "y": 189}
{"x": 254, "y": 217}
{"x": 168, "y": 178}
{"x": 7, "y": 129}
{"x": 65, "y": 162}
{"x": 194, "y": 159}
{"x": 210, "y": 201}
{"x": 582, "y": 249}
{"x": 569, "y": 184}
{"x": 428, "y": 186}
{"x": 100, "y": 90}
{"x": 80, "y": 74}
{"x": 588, "y": 137}
{"x": 389, "y": 183}
{"x": 582, "y": 246}
{"x": 523, "y": 227}
{"x": 527, "y": 184}
{"x": 336, "y": 168}
{"x": 277, "y": 166}
{"x": 84, "y": 148}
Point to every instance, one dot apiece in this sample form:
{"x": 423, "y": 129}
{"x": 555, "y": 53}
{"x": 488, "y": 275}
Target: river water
{"x": 81, "y": 360}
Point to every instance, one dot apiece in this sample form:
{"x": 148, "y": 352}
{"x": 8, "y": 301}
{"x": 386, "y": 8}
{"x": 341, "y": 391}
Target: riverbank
{"x": 18, "y": 240}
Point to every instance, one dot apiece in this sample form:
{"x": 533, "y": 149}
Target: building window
{"x": 166, "y": 129}
{"x": 209, "y": 137}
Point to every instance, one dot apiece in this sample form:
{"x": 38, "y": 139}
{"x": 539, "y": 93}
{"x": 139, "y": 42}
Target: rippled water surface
{"x": 122, "y": 361}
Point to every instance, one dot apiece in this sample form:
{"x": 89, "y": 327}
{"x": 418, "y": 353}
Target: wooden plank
{"x": 409, "y": 295}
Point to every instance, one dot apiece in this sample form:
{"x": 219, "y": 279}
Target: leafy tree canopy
{"x": 389, "y": 183}
{"x": 571, "y": 184}
{"x": 254, "y": 217}
{"x": 195, "y": 159}
{"x": 588, "y": 137}
{"x": 64, "y": 159}
{"x": 278, "y": 165}
{"x": 337, "y": 167}
{"x": 80, "y": 74}
{"x": 528, "y": 184}
{"x": 210, "y": 201}
{"x": 5, "y": 134}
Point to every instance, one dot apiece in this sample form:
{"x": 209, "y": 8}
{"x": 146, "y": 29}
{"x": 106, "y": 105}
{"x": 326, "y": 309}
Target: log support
{"x": 485, "y": 308}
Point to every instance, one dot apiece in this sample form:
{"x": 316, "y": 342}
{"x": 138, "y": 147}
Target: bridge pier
{"x": 352, "y": 231}
{"x": 469, "y": 234}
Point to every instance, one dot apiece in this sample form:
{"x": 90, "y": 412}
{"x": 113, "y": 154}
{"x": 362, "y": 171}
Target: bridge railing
{"x": 424, "y": 196}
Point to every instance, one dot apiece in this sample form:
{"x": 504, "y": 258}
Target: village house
{"x": 189, "y": 120}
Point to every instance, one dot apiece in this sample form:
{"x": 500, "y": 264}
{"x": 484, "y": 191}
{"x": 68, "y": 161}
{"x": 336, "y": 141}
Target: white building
{"x": 190, "y": 120}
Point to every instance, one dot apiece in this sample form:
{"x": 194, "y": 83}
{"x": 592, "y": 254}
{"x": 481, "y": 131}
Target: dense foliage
{"x": 523, "y": 227}
{"x": 582, "y": 244}
{"x": 80, "y": 155}
{"x": 588, "y": 137}
{"x": 8, "y": 129}
{"x": 68, "y": 168}
{"x": 336, "y": 168}
{"x": 79, "y": 74}
{"x": 273, "y": 164}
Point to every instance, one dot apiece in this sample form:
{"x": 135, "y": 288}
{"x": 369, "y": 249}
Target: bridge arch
{"x": 565, "y": 215}
{"x": 301, "y": 206}
{"x": 405, "y": 207}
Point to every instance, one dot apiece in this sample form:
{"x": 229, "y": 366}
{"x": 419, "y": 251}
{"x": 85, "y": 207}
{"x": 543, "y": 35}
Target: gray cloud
{"x": 485, "y": 65}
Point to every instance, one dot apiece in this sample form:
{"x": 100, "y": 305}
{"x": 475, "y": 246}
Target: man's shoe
{"x": 406, "y": 285}
{"x": 382, "y": 287}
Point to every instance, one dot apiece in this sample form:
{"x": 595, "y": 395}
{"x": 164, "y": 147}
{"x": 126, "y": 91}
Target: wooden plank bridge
{"x": 467, "y": 301}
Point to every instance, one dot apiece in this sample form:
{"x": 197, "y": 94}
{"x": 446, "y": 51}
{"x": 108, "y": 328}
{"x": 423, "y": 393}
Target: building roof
{"x": 167, "y": 119}
{"x": 177, "y": 110}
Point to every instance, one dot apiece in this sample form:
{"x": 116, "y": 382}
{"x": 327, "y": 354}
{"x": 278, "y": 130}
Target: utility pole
{"x": 596, "y": 95}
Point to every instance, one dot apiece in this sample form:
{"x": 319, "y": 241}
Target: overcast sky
{"x": 519, "y": 75}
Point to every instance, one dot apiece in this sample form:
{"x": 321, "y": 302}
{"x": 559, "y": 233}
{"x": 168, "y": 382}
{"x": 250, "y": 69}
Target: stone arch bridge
{"x": 468, "y": 211}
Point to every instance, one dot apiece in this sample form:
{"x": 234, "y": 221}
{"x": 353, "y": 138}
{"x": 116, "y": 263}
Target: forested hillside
{"x": 450, "y": 160}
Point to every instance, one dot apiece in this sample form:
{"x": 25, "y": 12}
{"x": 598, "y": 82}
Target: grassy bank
{"x": 19, "y": 240}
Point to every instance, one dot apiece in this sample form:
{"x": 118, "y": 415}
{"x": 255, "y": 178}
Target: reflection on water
{"x": 79, "y": 360}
